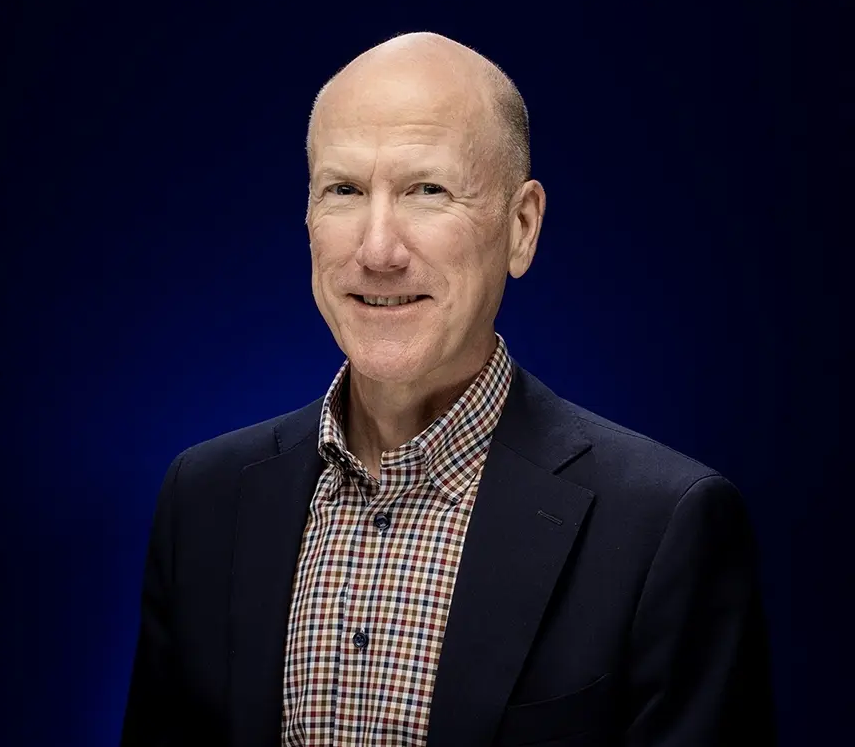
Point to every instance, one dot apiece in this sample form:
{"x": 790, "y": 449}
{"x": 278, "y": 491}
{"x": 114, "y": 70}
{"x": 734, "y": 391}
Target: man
{"x": 440, "y": 551}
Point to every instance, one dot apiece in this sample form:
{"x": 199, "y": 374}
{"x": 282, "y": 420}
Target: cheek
{"x": 471, "y": 258}
{"x": 332, "y": 245}
{"x": 447, "y": 242}
{"x": 331, "y": 237}
{"x": 338, "y": 228}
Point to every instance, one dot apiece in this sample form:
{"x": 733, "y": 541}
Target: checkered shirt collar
{"x": 450, "y": 448}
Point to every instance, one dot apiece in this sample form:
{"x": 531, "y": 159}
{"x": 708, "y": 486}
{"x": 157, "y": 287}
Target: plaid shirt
{"x": 376, "y": 572}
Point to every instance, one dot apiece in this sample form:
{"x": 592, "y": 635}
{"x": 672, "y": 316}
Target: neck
{"x": 381, "y": 416}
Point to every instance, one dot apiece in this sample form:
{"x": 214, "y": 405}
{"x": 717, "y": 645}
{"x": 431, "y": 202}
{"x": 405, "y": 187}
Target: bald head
{"x": 478, "y": 89}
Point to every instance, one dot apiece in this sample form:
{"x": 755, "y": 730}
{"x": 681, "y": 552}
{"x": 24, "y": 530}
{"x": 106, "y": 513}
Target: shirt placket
{"x": 360, "y": 651}
{"x": 354, "y": 648}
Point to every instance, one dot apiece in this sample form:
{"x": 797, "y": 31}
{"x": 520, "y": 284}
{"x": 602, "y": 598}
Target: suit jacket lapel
{"x": 511, "y": 560}
{"x": 275, "y": 498}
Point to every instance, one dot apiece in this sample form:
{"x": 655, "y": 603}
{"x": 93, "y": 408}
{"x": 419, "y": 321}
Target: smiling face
{"x": 406, "y": 199}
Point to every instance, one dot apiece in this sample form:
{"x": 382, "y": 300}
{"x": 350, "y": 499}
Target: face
{"x": 406, "y": 202}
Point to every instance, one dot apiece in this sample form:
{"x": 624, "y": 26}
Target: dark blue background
{"x": 156, "y": 286}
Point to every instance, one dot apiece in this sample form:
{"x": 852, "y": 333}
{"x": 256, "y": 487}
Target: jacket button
{"x": 360, "y": 639}
{"x": 382, "y": 521}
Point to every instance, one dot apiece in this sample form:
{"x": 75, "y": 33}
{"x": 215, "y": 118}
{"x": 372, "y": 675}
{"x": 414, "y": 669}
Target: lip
{"x": 358, "y": 296}
{"x": 396, "y": 310}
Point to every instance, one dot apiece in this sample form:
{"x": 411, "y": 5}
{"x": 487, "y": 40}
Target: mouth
{"x": 388, "y": 302}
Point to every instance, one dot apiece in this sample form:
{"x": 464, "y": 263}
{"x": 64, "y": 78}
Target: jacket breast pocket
{"x": 572, "y": 719}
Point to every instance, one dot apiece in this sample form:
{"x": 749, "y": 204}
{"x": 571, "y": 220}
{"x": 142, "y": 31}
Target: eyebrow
{"x": 433, "y": 172}
{"x": 331, "y": 173}
{"x": 338, "y": 174}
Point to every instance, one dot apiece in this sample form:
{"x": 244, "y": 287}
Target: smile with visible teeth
{"x": 389, "y": 300}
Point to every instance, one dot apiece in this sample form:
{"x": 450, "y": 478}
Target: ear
{"x": 527, "y": 208}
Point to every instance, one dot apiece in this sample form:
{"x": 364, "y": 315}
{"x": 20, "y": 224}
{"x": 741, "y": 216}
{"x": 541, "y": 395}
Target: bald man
{"x": 440, "y": 551}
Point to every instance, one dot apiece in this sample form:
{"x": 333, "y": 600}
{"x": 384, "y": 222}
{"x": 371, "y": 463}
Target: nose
{"x": 382, "y": 249}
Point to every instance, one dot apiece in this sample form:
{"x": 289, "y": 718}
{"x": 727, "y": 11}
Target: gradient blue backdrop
{"x": 156, "y": 288}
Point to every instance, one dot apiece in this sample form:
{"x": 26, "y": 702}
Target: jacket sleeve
{"x": 699, "y": 672}
{"x": 152, "y": 698}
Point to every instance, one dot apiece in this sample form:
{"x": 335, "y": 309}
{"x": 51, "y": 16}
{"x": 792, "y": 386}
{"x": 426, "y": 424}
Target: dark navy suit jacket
{"x": 607, "y": 593}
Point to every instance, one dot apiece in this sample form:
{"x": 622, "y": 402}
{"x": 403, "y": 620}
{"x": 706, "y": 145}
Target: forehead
{"x": 389, "y": 146}
{"x": 418, "y": 117}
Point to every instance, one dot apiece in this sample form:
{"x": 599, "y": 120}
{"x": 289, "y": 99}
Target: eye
{"x": 429, "y": 189}
{"x": 343, "y": 190}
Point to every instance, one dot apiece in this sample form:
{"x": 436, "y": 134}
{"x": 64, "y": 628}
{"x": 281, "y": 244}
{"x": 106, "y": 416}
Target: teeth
{"x": 388, "y": 300}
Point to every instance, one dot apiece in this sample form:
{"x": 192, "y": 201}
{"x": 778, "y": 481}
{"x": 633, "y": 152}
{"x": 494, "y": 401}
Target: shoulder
{"x": 646, "y": 469}
{"x": 642, "y": 487}
{"x": 637, "y": 451}
{"x": 623, "y": 467}
{"x": 228, "y": 453}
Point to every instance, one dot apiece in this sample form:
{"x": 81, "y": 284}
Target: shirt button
{"x": 382, "y": 521}
{"x": 360, "y": 639}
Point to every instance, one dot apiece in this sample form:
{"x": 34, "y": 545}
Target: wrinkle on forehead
{"x": 392, "y": 144}
{"x": 351, "y": 131}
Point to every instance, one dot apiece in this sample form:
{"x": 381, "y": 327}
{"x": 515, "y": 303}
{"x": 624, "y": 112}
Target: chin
{"x": 392, "y": 361}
